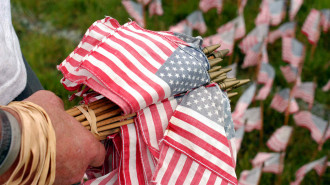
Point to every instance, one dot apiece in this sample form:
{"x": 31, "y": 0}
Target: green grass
{"x": 46, "y": 50}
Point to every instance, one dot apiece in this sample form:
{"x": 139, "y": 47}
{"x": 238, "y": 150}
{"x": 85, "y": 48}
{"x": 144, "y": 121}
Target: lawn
{"x": 49, "y": 30}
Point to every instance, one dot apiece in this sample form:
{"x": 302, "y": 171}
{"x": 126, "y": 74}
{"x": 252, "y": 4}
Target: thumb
{"x": 99, "y": 154}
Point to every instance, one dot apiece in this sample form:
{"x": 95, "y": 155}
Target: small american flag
{"x": 319, "y": 165}
{"x": 258, "y": 34}
{"x": 270, "y": 162}
{"x": 155, "y": 8}
{"x": 325, "y": 19}
{"x": 201, "y": 128}
{"x": 239, "y": 135}
{"x": 263, "y": 16}
{"x": 305, "y": 91}
{"x": 287, "y": 29}
{"x": 294, "y": 8}
{"x": 290, "y": 73}
{"x": 266, "y": 76}
{"x": 253, "y": 55}
{"x": 196, "y": 21}
{"x": 252, "y": 119}
{"x": 206, "y": 5}
{"x": 280, "y": 139}
{"x": 144, "y": 2}
{"x": 250, "y": 177}
{"x": 239, "y": 23}
{"x": 182, "y": 27}
{"x": 293, "y": 51}
{"x": 135, "y": 10}
{"x": 242, "y": 104}
{"x": 280, "y": 102}
{"x": 277, "y": 12}
{"x": 311, "y": 27}
{"x": 242, "y": 6}
{"x": 314, "y": 124}
{"x": 326, "y": 87}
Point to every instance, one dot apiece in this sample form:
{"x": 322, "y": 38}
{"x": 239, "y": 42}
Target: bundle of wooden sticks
{"x": 103, "y": 117}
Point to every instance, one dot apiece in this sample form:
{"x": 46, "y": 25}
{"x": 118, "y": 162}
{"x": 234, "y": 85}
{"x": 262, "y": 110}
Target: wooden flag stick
{"x": 312, "y": 51}
{"x": 110, "y": 120}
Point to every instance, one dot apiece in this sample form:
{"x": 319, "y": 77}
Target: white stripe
{"x": 151, "y": 162}
{"x": 151, "y": 91}
{"x": 118, "y": 80}
{"x": 178, "y": 168}
{"x": 132, "y": 153}
{"x": 151, "y": 127}
{"x": 96, "y": 35}
{"x": 201, "y": 134}
{"x": 166, "y": 162}
{"x": 104, "y": 28}
{"x": 151, "y": 44}
{"x": 174, "y": 104}
{"x": 86, "y": 46}
{"x": 203, "y": 153}
{"x": 163, "y": 115}
{"x": 205, "y": 177}
{"x": 99, "y": 179}
{"x": 141, "y": 67}
{"x": 154, "y": 36}
{"x": 218, "y": 180}
{"x": 191, "y": 173}
{"x": 215, "y": 126}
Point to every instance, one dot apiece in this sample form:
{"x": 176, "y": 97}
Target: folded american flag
{"x": 294, "y": 8}
{"x": 135, "y": 68}
{"x": 196, "y": 21}
{"x": 253, "y": 55}
{"x": 326, "y": 87}
{"x": 206, "y": 5}
{"x": 182, "y": 27}
{"x": 314, "y": 124}
{"x": 277, "y": 12}
{"x": 319, "y": 166}
{"x": 290, "y": 73}
{"x": 242, "y": 104}
{"x": 311, "y": 27}
{"x": 155, "y": 8}
{"x": 325, "y": 19}
{"x": 239, "y": 135}
{"x": 305, "y": 91}
{"x": 287, "y": 29}
{"x": 135, "y": 10}
{"x": 258, "y": 34}
{"x": 280, "y": 139}
{"x": 266, "y": 76}
{"x": 202, "y": 129}
{"x": 252, "y": 119}
{"x": 250, "y": 177}
{"x": 293, "y": 51}
{"x": 270, "y": 162}
{"x": 280, "y": 102}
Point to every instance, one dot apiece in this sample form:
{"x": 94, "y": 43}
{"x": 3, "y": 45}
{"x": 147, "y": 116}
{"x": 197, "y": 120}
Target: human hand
{"x": 76, "y": 147}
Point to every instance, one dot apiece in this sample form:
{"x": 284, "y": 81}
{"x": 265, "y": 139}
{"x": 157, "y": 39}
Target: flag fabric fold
{"x": 206, "y": 5}
{"x": 270, "y": 162}
{"x": 290, "y": 73}
{"x": 285, "y": 30}
{"x": 293, "y": 51}
{"x": 311, "y": 26}
{"x": 266, "y": 76}
{"x": 250, "y": 177}
{"x": 305, "y": 91}
{"x": 280, "y": 102}
{"x": 280, "y": 139}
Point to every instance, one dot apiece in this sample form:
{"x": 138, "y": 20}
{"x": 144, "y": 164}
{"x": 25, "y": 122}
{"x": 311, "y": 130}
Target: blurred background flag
{"x": 263, "y": 16}
{"x": 155, "y": 8}
{"x": 242, "y": 5}
{"x": 293, "y": 51}
{"x": 305, "y": 91}
{"x": 196, "y": 21}
{"x": 206, "y": 5}
{"x": 290, "y": 73}
{"x": 277, "y": 12}
{"x": 270, "y": 162}
{"x": 319, "y": 166}
{"x": 287, "y": 29}
{"x": 135, "y": 10}
{"x": 280, "y": 102}
{"x": 311, "y": 27}
{"x": 252, "y": 119}
{"x": 255, "y": 36}
{"x": 266, "y": 76}
{"x": 316, "y": 125}
{"x": 250, "y": 177}
{"x": 182, "y": 27}
{"x": 326, "y": 87}
{"x": 280, "y": 138}
{"x": 239, "y": 26}
{"x": 325, "y": 19}
{"x": 239, "y": 135}
{"x": 253, "y": 55}
{"x": 144, "y": 2}
{"x": 232, "y": 73}
{"x": 294, "y": 8}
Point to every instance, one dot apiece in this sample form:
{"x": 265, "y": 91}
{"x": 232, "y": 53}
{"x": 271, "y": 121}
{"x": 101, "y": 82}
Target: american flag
{"x": 252, "y": 119}
{"x": 206, "y": 5}
{"x": 253, "y": 55}
{"x": 294, "y": 8}
{"x": 287, "y": 29}
{"x": 280, "y": 139}
{"x": 240, "y": 26}
{"x": 326, "y": 87}
{"x": 289, "y": 72}
{"x": 305, "y": 91}
{"x": 270, "y": 162}
{"x": 135, "y": 10}
{"x": 239, "y": 135}
{"x": 325, "y": 19}
{"x": 266, "y": 76}
{"x": 314, "y": 124}
{"x": 293, "y": 51}
{"x": 147, "y": 68}
{"x": 311, "y": 26}
{"x": 144, "y": 2}
{"x": 110, "y": 178}
{"x": 152, "y": 122}
{"x": 242, "y": 6}
{"x": 232, "y": 73}
{"x": 319, "y": 165}
{"x": 155, "y": 8}
{"x": 182, "y": 27}
{"x": 263, "y": 16}
{"x": 258, "y": 34}
{"x": 280, "y": 102}
{"x": 196, "y": 21}
{"x": 242, "y": 104}
{"x": 277, "y": 12}
{"x": 201, "y": 128}
{"x": 250, "y": 177}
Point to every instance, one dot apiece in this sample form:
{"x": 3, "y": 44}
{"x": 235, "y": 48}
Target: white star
{"x": 209, "y": 114}
{"x": 205, "y": 91}
{"x": 192, "y": 95}
{"x": 194, "y": 63}
{"x": 203, "y": 99}
{"x": 174, "y": 68}
{"x": 216, "y": 112}
{"x": 209, "y": 97}
{"x": 199, "y": 108}
{"x": 177, "y": 56}
{"x": 199, "y": 93}
{"x": 200, "y": 55}
{"x": 184, "y": 57}
{"x": 213, "y": 104}
{"x": 191, "y": 57}
{"x": 206, "y": 106}
{"x": 169, "y": 75}
{"x": 171, "y": 82}
{"x": 183, "y": 76}
{"x": 177, "y": 82}
{"x": 181, "y": 51}
{"x": 177, "y": 75}
{"x": 188, "y": 103}
{"x": 196, "y": 101}
{"x": 167, "y": 68}
{"x": 189, "y": 69}
{"x": 215, "y": 97}
{"x": 195, "y": 70}
{"x": 187, "y": 62}
{"x": 172, "y": 62}
{"x": 162, "y": 74}
{"x": 181, "y": 69}
{"x": 179, "y": 62}
{"x": 200, "y": 71}
{"x": 194, "y": 53}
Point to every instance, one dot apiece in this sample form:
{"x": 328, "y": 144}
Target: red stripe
{"x": 91, "y": 40}
{"x": 171, "y": 166}
{"x": 161, "y": 160}
{"x": 100, "y": 31}
{"x": 139, "y": 166}
{"x": 125, "y": 154}
{"x": 157, "y": 122}
{"x": 212, "y": 179}
{"x": 168, "y": 108}
{"x": 198, "y": 175}
{"x": 185, "y": 170}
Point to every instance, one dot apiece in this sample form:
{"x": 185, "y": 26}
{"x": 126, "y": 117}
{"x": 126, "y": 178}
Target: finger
{"x": 98, "y": 159}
